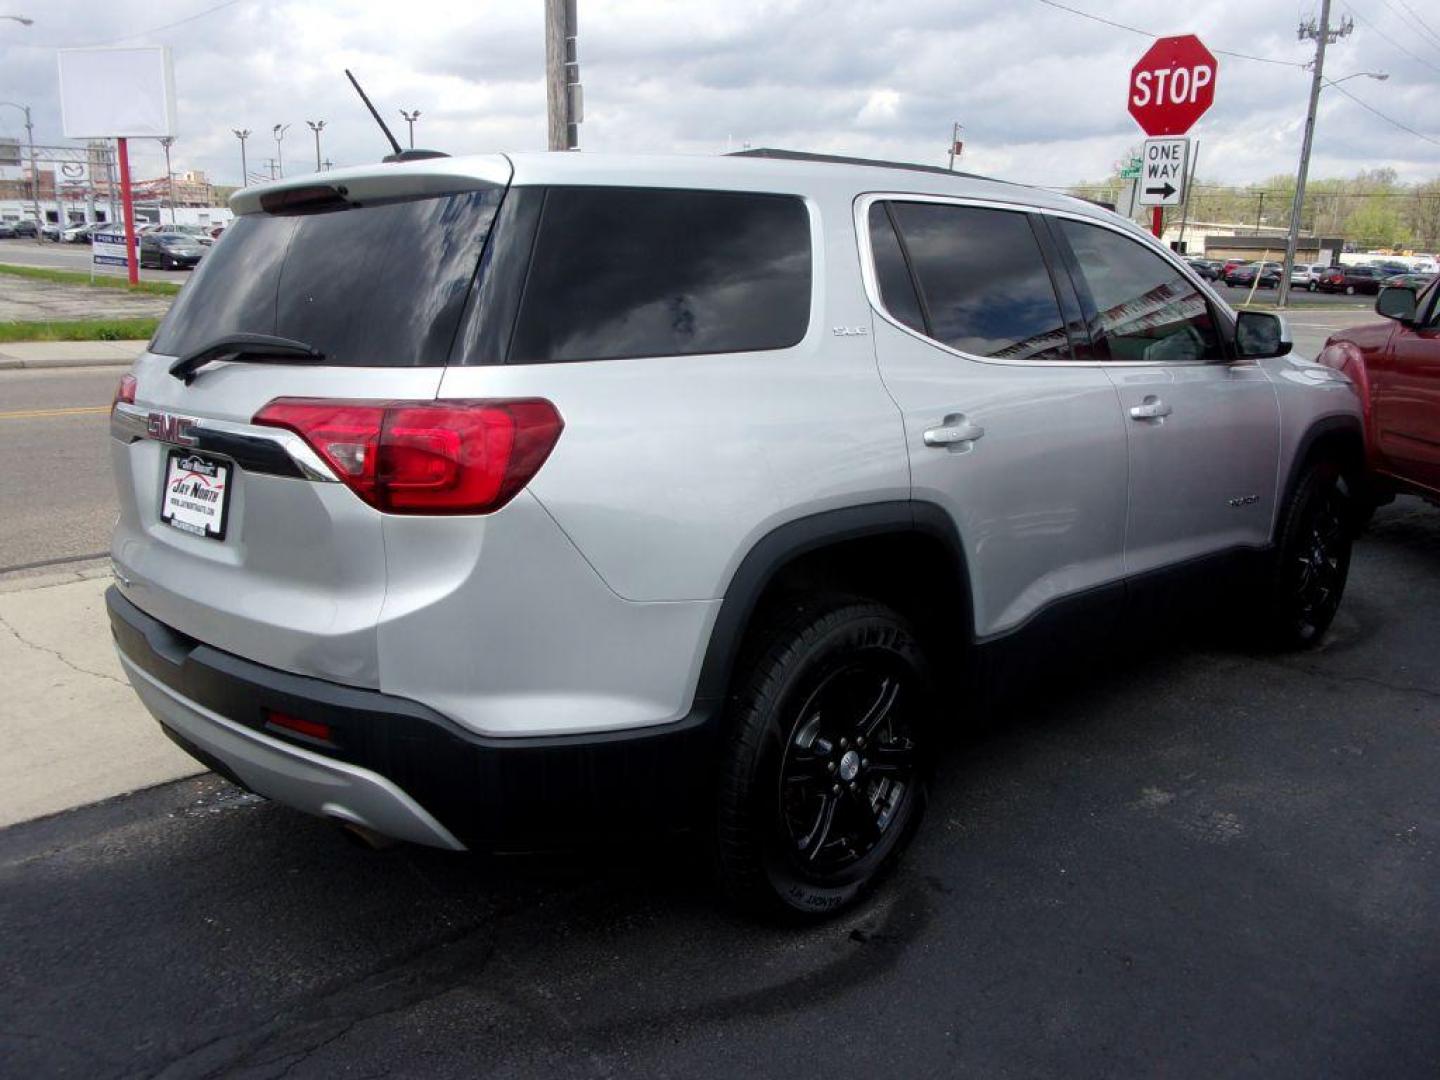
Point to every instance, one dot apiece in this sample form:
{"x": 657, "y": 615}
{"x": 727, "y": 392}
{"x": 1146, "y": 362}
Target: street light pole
{"x": 410, "y": 118}
{"x": 317, "y": 126}
{"x": 34, "y": 165}
{"x": 167, "y": 142}
{"x": 242, "y": 134}
{"x": 279, "y": 132}
{"x": 1323, "y": 36}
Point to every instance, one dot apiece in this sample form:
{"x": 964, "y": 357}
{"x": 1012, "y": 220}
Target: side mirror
{"x": 1260, "y": 334}
{"x": 1396, "y": 303}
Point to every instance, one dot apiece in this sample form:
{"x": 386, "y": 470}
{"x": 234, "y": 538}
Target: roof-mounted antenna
{"x": 355, "y": 83}
{"x": 398, "y": 155}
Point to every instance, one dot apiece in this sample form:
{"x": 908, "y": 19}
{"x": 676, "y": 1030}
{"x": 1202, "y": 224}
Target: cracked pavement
{"x": 1189, "y": 861}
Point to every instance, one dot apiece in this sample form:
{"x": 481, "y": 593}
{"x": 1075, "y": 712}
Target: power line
{"x": 1382, "y": 116}
{"x": 1418, "y": 21}
{"x": 1150, "y": 34}
{"x": 1392, "y": 41}
{"x": 139, "y": 33}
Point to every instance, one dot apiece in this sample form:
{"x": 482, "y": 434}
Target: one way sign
{"x": 1162, "y": 171}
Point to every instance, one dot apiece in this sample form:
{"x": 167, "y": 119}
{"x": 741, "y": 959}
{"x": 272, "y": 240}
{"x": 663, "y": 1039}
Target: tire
{"x": 1349, "y": 290}
{"x": 1310, "y": 286}
{"x": 1311, "y": 563}
{"x": 824, "y": 767}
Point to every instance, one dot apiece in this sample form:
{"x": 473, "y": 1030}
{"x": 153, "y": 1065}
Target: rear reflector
{"x": 426, "y": 457}
{"x": 310, "y": 728}
{"x": 125, "y": 392}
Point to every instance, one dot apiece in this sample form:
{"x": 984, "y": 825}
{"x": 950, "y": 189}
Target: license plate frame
{"x": 183, "y": 464}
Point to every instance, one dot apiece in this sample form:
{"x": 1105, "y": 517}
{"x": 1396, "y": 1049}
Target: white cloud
{"x": 1040, "y": 92}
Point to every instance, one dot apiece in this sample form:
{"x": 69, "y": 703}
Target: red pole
{"x": 1157, "y": 220}
{"x": 127, "y": 211}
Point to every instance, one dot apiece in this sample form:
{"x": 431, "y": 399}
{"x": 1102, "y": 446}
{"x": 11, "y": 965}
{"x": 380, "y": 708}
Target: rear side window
{"x": 628, "y": 272}
{"x": 984, "y": 282}
{"x": 380, "y": 285}
{"x": 897, "y": 289}
{"x": 1147, "y": 310}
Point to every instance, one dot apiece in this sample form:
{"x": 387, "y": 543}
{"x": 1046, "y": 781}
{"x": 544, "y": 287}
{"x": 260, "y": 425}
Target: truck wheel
{"x": 823, "y": 778}
{"x": 1349, "y": 290}
{"x": 1311, "y": 563}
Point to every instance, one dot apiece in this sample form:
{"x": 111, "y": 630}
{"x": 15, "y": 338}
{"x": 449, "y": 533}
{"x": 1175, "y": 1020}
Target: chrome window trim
{"x": 871, "y": 283}
{"x": 130, "y": 423}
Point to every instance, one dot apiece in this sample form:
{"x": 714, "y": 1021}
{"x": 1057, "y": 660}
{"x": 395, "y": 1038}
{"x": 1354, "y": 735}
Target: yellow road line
{"x": 40, "y": 414}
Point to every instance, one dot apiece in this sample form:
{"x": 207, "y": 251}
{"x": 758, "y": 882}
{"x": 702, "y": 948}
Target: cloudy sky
{"x": 1040, "y": 92}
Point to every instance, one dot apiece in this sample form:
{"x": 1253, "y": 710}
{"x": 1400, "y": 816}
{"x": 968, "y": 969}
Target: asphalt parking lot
{"x": 1190, "y": 861}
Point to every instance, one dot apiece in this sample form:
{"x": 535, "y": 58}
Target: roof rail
{"x": 835, "y": 159}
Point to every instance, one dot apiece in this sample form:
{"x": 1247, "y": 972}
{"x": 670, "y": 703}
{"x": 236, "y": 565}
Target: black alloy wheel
{"x": 849, "y": 764}
{"x": 823, "y": 779}
{"x": 1312, "y": 559}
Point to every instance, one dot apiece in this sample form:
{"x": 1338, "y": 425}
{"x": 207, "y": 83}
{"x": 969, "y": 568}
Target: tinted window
{"x": 897, "y": 290}
{"x": 984, "y": 281}
{"x": 1146, "y": 308}
{"x": 621, "y": 272}
{"x": 379, "y": 285}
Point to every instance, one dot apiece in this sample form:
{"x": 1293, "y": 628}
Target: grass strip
{"x": 80, "y": 330}
{"x": 101, "y": 281}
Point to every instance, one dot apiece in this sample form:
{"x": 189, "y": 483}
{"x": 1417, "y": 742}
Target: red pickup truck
{"x": 1395, "y": 365}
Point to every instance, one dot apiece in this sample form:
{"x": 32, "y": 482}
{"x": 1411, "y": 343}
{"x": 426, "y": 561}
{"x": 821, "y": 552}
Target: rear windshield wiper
{"x": 263, "y": 348}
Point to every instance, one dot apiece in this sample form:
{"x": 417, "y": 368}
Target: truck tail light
{"x": 426, "y": 457}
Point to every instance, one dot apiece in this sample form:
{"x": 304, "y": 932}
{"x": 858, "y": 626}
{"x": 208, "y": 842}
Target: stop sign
{"x": 1172, "y": 85}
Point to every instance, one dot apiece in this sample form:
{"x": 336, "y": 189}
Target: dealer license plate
{"x": 196, "y": 495}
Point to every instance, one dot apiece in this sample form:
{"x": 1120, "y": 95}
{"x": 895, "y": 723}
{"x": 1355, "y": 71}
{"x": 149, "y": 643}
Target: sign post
{"x": 1171, "y": 87}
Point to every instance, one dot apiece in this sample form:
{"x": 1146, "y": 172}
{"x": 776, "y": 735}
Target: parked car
{"x": 1205, "y": 268}
{"x": 52, "y": 231}
{"x": 1390, "y": 267}
{"x": 1352, "y": 279}
{"x": 1395, "y": 366}
{"x": 700, "y": 526}
{"x": 80, "y": 234}
{"x": 1245, "y": 274}
{"x": 25, "y": 229}
{"x": 1417, "y": 282}
{"x": 7, "y": 231}
{"x": 1308, "y": 275}
{"x": 170, "y": 251}
{"x": 198, "y": 233}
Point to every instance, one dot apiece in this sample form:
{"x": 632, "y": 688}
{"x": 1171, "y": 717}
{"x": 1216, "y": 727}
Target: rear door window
{"x": 983, "y": 281}
{"x": 630, "y": 272}
{"x": 1145, "y": 308}
{"x": 378, "y": 285}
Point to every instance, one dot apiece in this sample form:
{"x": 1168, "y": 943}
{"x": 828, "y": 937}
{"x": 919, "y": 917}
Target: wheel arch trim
{"x": 775, "y": 550}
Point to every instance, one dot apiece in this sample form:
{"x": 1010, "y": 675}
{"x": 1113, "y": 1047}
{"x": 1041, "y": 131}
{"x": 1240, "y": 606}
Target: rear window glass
{"x": 628, "y": 272}
{"x": 381, "y": 285}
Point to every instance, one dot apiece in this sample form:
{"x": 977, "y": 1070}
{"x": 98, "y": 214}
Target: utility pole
{"x": 316, "y": 126}
{"x": 1259, "y": 213}
{"x": 34, "y": 166}
{"x": 279, "y": 132}
{"x": 955, "y": 130}
{"x": 1322, "y": 36}
{"x": 272, "y": 163}
{"x": 564, "y": 100}
{"x": 242, "y": 134}
{"x": 168, "y": 141}
{"x": 410, "y": 118}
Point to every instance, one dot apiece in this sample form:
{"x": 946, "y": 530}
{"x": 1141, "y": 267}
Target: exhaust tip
{"x": 366, "y": 837}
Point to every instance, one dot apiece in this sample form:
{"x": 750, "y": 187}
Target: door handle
{"x": 955, "y": 431}
{"x": 1152, "y": 408}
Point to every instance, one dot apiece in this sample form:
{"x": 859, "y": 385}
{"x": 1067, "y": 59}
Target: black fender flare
{"x": 768, "y": 555}
{"x": 1324, "y": 427}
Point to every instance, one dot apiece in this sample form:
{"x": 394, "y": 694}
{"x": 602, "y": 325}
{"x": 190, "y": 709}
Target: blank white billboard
{"x": 117, "y": 93}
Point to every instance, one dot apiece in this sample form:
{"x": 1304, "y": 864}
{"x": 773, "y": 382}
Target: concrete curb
{"x": 20, "y": 355}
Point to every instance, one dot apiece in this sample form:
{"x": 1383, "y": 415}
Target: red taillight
{"x": 125, "y": 392}
{"x": 432, "y": 457}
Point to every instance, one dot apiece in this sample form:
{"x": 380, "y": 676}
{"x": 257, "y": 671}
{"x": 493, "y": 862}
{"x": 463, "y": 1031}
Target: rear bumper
{"x": 399, "y": 767}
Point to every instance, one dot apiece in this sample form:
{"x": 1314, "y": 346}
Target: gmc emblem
{"x": 171, "y": 429}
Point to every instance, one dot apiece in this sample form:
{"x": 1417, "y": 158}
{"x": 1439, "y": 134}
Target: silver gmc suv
{"x": 500, "y": 500}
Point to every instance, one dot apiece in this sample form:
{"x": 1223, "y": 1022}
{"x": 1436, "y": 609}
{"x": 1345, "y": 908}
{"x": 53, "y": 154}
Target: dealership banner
{"x": 107, "y": 249}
